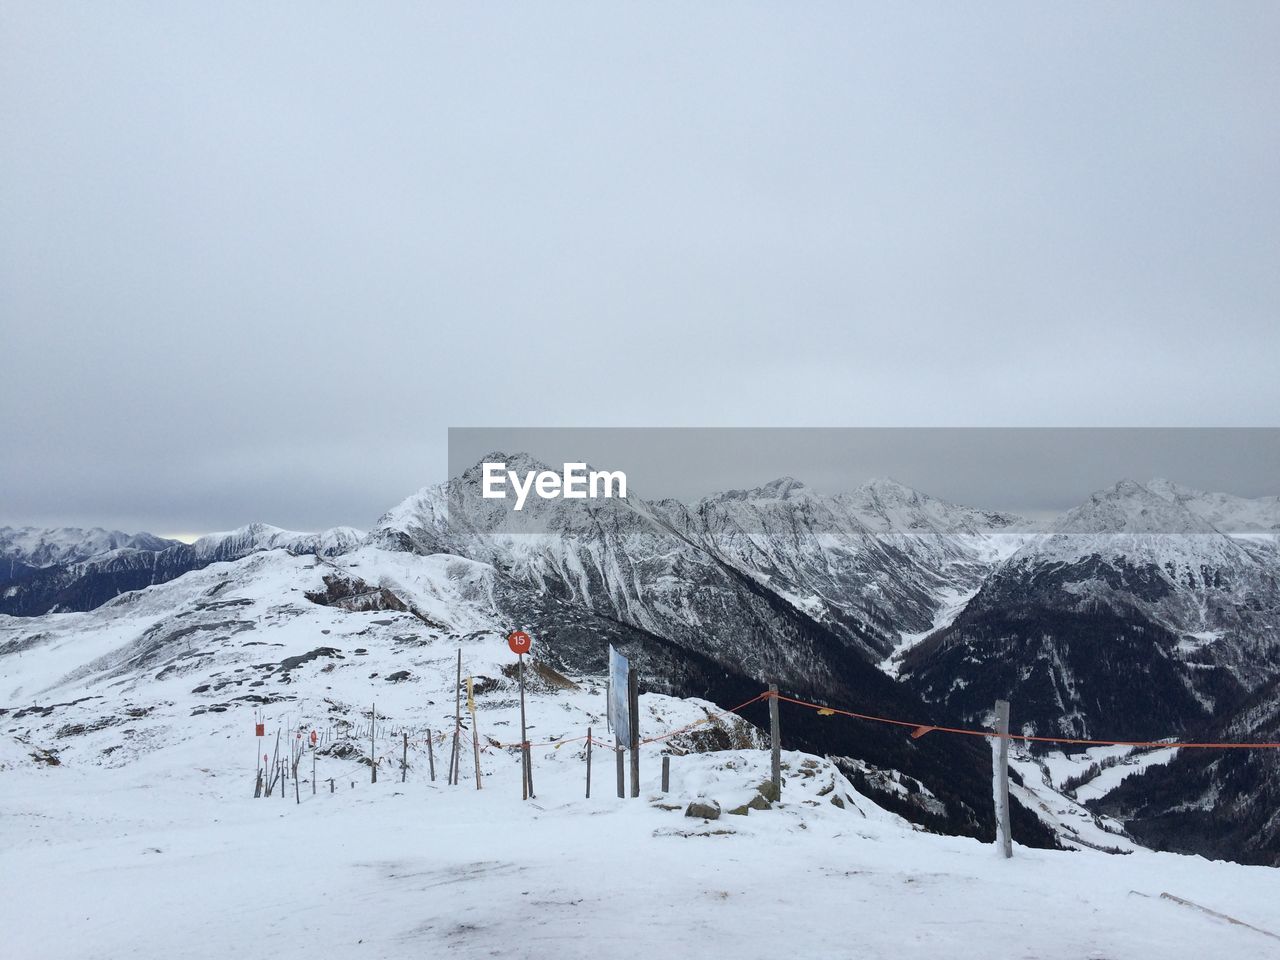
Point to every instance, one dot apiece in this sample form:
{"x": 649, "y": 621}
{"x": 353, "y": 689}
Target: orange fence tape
{"x": 920, "y": 729}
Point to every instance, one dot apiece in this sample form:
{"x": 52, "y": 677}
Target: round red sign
{"x": 519, "y": 641}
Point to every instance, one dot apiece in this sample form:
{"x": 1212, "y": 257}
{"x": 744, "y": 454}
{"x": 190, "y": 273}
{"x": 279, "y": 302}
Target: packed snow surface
{"x": 171, "y": 858}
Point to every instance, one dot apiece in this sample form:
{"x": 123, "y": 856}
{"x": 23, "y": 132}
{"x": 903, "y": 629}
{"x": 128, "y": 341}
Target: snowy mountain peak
{"x": 45, "y": 547}
{"x": 1131, "y": 508}
{"x": 263, "y": 536}
{"x": 889, "y": 506}
{"x": 520, "y": 462}
{"x": 1226, "y": 512}
{"x": 1170, "y": 490}
{"x": 779, "y": 489}
{"x": 886, "y": 488}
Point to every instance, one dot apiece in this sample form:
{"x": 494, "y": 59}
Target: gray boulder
{"x": 704, "y": 808}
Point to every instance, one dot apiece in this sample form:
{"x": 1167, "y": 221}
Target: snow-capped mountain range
{"x": 30, "y": 548}
{"x": 1149, "y": 610}
{"x": 1128, "y": 581}
{"x": 44, "y": 571}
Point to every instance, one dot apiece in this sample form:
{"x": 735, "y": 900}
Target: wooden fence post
{"x": 1004, "y": 837}
{"x": 622, "y": 774}
{"x": 373, "y": 760}
{"x": 275, "y": 766}
{"x": 588, "y": 763}
{"x": 666, "y": 773}
{"x": 633, "y": 709}
{"x": 775, "y": 737}
{"x": 457, "y": 724}
{"x": 404, "y": 761}
{"x": 431, "y": 756}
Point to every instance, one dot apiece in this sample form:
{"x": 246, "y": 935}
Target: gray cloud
{"x": 254, "y": 262}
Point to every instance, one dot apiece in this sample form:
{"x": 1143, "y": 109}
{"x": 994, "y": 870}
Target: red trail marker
{"x": 519, "y": 642}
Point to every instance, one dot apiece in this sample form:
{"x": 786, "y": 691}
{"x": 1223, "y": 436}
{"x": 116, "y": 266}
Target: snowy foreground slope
{"x": 169, "y": 859}
{"x": 144, "y": 839}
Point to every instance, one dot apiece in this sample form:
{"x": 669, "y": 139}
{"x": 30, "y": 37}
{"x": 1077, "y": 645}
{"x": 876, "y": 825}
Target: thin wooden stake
{"x": 775, "y": 737}
{"x": 404, "y": 763}
{"x": 633, "y": 708}
{"x": 588, "y": 763}
{"x": 431, "y": 756}
{"x": 373, "y": 760}
{"x": 457, "y": 724}
{"x": 275, "y": 766}
{"x": 666, "y": 773}
{"x": 1004, "y": 837}
{"x": 475, "y": 730}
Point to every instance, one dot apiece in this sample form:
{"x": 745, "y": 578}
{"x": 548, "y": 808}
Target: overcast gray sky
{"x": 255, "y": 259}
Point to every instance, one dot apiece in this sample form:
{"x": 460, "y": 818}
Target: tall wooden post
{"x": 1004, "y": 837}
{"x": 404, "y": 761}
{"x": 588, "y": 763}
{"x": 313, "y": 769}
{"x": 633, "y": 710}
{"x": 666, "y": 773}
{"x": 775, "y": 738}
{"x": 373, "y": 759}
{"x": 457, "y": 724}
{"x": 431, "y": 756}
{"x": 622, "y": 774}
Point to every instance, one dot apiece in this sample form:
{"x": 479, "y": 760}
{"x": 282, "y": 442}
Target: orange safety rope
{"x": 920, "y": 729}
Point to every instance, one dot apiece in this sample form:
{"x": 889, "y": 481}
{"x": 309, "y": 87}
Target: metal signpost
{"x": 619, "y": 711}
{"x": 520, "y": 642}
